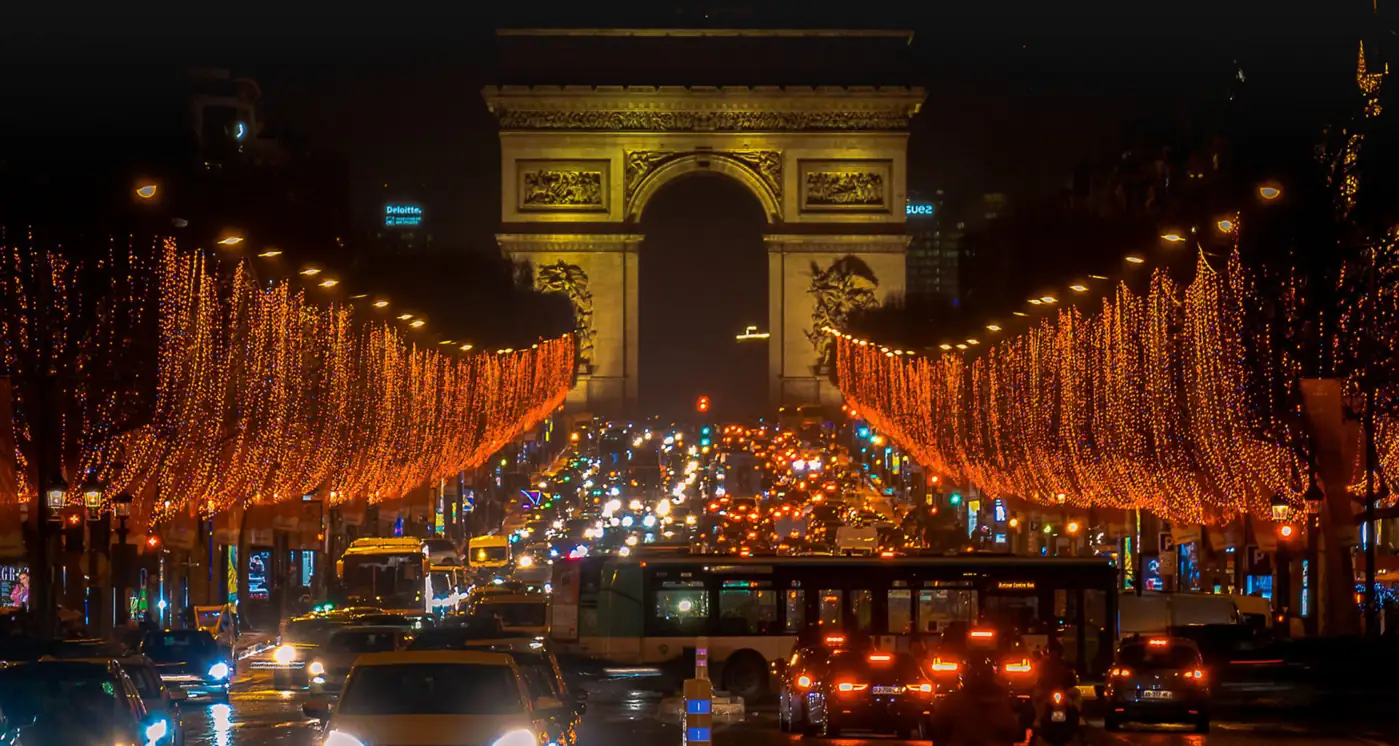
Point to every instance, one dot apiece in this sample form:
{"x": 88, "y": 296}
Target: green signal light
{"x": 956, "y": 499}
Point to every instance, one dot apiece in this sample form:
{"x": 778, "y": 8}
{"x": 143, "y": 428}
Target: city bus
{"x": 490, "y": 553}
{"x": 386, "y": 573}
{"x": 648, "y": 610}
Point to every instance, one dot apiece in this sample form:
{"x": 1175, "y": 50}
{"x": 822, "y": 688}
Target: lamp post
{"x": 1315, "y": 500}
{"x": 121, "y": 508}
{"x": 44, "y": 600}
{"x": 92, "y": 500}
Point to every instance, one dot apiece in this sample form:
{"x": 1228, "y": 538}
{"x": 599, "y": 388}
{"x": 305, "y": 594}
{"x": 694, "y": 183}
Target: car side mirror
{"x": 547, "y": 703}
{"x": 178, "y": 695}
{"x": 316, "y": 708}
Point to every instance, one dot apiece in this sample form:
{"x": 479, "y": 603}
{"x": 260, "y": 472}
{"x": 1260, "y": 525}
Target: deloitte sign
{"x": 402, "y": 216}
{"x": 919, "y": 209}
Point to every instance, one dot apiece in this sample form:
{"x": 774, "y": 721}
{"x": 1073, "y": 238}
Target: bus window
{"x": 796, "y": 611}
{"x": 936, "y": 608}
{"x": 747, "y": 610}
{"x": 830, "y": 607}
{"x": 900, "y": 611}
{"x": 862, "y": 603}
{"x": 682, "y": 608}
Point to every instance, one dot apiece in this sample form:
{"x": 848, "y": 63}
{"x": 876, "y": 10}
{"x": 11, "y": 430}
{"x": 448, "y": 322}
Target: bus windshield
{"x": 481, "y": 554}
{"x": 389, "y": 581}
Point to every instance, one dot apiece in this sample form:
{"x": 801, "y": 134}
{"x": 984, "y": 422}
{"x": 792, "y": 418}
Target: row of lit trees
{"x": 189, "y": 385}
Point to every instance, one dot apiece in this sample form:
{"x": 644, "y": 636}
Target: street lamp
{"x": 1280, "y": 508}
{"x": 55, "y": 496}
{"x": 92, "y": 500}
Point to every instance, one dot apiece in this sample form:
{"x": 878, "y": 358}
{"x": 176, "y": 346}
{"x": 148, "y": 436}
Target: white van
{"x": 1154, "y": 612}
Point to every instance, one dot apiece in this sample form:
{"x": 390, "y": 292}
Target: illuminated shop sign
{"x": 402, "y": 216}
{"x": 919, "y": 209}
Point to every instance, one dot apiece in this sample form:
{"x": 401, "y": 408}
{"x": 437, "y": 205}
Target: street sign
{"x": 1168, "y": 562}
{"x": 1165, "y": 543}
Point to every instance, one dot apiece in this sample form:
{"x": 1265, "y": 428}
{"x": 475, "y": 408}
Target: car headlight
{"x": 316, "y": 668}
{"x": 526, "y": 561}
{"x": 218, "y": 671}
{"x": 341, "y": 738}
{"x": 157, "y": 731}
{"x": 284, "y": 655}
{"x": 519, "y": 737}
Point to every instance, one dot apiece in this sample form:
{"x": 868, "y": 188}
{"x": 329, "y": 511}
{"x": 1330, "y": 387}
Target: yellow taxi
{"x": 436, "y": 698}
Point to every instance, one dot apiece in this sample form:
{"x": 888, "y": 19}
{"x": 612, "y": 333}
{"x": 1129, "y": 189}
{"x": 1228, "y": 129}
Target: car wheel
{"x": 1202, "y": 725}
{"x": 745, "y": 676}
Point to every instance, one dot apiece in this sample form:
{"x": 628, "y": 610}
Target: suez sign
{"x": 396, "y": 216}
{"x": 919, "y": 209}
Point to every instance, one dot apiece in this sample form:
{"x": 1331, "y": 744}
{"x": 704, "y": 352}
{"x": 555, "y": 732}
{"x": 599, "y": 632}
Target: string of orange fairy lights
{"x": 1140, "y": 404}
{"x": 260, "y": 395}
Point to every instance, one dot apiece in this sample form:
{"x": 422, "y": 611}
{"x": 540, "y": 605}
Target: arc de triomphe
{"x": 580, "y": 163}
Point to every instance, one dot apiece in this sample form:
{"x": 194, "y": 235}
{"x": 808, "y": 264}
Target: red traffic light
{"x": 703, "y": 404}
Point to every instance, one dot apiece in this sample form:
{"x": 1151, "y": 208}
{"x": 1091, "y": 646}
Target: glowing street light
{"x": 945, "y": 346}
{"x": 1269, "y": 192}
{"x": 465, "y": 348}
{"x": 1048, "y": 299}
{"x": 405, "y": 316}
{"x": 1225, "y": 226}
{"x": 381, "y": 304}
{"x": 1079, "y": 288}
{"x": 230, "y": 240}
{"x": 270, "y": 253}
{"x": 973, "y": 341}
{"x": 329, "y": 282}
{"x": 751, "y": 333}
{"x": 1134, "y": 259}
{"x": 311, "y": 271}
{"x": 147, "y": 191}
{"x": 1173, "y": 237}
{"x": 417, "y": 323}
{"x": 993, "y": 327}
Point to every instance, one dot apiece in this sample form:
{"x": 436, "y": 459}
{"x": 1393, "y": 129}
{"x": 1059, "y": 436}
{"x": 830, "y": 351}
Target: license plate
{"x": 888, "y": 690}
{"x": 1058, "y": 716}
{"x": 1157, "y": 694}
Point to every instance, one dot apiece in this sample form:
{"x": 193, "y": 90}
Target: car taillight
{"x": 942, "y": 665}
{"x": 924, "y": 688}
{"x": 1197, "y": 675}
{"x": 846, "y": 686}
{"x": 1058, "y": 698}
{"x": 1120, "y": 673}
{"x": 881, "y": 657}
{"x": 804, "y": 681}
{"x": 1020, "y": 666}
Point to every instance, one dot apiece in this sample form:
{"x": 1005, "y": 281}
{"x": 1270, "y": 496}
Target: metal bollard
{"x": 699, "y": 717}
{"x": 702, "y": 658}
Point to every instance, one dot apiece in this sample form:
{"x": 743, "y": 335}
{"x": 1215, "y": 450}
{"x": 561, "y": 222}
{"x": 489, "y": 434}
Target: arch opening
{"x": 703, "y": 278}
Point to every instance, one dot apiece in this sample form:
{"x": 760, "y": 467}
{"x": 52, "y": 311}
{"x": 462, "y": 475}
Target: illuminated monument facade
{"x": 579, "y": 164}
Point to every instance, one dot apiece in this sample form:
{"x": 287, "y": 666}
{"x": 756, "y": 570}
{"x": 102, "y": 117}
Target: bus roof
{"x": 399, "y": 545}
{"x": 489, "y": 540}
{"x": 964, "y": 560}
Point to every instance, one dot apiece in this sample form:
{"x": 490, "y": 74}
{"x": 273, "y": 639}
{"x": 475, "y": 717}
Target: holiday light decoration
{"x": 1141, "y": 404}
{"x": 193, "y": 386}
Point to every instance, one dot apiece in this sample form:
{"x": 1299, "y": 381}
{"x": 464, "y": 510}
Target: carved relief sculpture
{"x": 563, "y": 185}
{"x": 847, "y": 285}
{"x": 845, "y": 186}
{"x": 572, "y": 281}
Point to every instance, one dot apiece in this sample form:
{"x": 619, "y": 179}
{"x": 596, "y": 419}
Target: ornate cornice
{"x": 704, "y": 108}
{"x": 526, "y": 243}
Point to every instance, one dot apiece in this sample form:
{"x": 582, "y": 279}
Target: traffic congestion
{"x": 767, "y": 559}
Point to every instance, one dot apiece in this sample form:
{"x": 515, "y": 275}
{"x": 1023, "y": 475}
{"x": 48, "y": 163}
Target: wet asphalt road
{"x": 259, "y": 715}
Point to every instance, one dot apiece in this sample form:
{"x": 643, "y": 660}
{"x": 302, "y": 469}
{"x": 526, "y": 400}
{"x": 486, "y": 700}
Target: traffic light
{"x": 703, "y": 404}
{"x": 955, "y": 499}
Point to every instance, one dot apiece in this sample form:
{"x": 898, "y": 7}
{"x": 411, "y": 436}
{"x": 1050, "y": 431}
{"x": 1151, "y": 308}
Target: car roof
{"x": 435, "y": 656}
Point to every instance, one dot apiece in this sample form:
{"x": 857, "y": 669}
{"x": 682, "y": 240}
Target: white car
{"x": 435, "y": 698}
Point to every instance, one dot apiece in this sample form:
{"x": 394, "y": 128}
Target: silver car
{"x": 333, "y": 660}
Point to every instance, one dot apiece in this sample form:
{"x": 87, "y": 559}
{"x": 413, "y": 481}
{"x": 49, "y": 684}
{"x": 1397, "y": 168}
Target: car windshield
{"x": 86, "y": 693}
{"x": 490, "y": 554}
{"x": 178, "y": 645}
{"x": 1159, "y": 656}
{"x": 145, "y": 678}
{"x": 524, "y": 614}
{"x": 362, "y": 641}
{"x": 431, "y": 689}
{"x": 311, "y": 631}
{"x": 209, "y": 617}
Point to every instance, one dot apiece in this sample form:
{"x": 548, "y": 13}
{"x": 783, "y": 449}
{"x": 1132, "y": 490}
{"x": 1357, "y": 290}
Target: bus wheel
{"x": 746, "y": 675}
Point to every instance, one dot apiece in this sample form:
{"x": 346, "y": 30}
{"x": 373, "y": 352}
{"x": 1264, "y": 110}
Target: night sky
{"x": 1019, "y": 92}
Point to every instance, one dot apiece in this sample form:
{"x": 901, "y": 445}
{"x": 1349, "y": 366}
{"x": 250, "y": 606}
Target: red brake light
{"x": 835, "y": 639}
{"x": 1197, "y": 675}
{"x": 1120, "y": 673}
{"x": 924, "y": 688}
{"x": 942, "y": 665}
{"x": 881, "y": 657}
{"x": 1058, "y": 698}
{"x": 983, "y": 634}
{"x": 1158, "y": 642}
{"x": 846, "y": 686}
{"x": 1020, "y": 666}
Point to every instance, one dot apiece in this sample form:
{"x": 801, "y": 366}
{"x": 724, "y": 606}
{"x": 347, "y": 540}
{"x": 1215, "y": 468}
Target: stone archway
{"x": 580, "y": 163}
